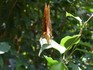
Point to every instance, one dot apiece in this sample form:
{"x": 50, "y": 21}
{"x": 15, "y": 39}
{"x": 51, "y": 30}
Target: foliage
{"x": 69, "y": 42}
{"x": 4, "y": 47}
{"x": 21, "y": 28}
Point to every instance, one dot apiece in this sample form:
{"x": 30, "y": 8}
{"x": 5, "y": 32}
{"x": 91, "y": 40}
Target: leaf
{"x": 89, "y": 9}
{"x": 69, "y": 41}
{"x": 19, "y": 68}
{"x": 54, "y": 64}
{"x": 68, "y": 14}
{"x": 59, "y": 66}
{"x": 1, "y": 61}
{"x": 4, "y": 47}
{"x": 53, "y": 44}
{"x": 77, "y": 18}
{"x": 85, "y": 43}
{"x": 74, "y": 67}
{"x": 92, "y": 15}
{"x": 50, "y": 61}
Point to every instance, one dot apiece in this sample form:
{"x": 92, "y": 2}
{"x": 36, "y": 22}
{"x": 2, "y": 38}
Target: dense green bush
{"x": 21, "y": 25}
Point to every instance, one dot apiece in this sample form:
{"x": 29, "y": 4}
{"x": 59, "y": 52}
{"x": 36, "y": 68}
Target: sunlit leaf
{"x": 55, "y": 65}
{"x": 89, "y": 9}
{"x": 50, "y": 61}
{"x": 69, "y": 41}
{"x": 53, "y": 44}
{"x": 68, "y": 14}
{"x": 77, "y": 18}
{"x": 59, "y": 66}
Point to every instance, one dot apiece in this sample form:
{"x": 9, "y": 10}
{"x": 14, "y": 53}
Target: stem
{"x": 80, "y": 34}
{"x": 88, "y": 19}
{"x": 83, "y": 26}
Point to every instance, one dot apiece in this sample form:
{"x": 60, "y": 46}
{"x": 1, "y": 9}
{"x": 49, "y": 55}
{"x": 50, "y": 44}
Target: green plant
{"x": 67, "y": 47}
{"x": 21, "y": 28}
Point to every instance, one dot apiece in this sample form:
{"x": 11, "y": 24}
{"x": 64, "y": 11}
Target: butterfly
{"x": 46, "y": 40}
{"x": 47, "y": 32}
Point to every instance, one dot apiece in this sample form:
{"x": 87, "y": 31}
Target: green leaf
{"x": 50, "y": 61}
{"x": 77, "y": 18}
{"x": 88, "y": 8}
{"x": 4, "y": 47}
{"x": 53, "y": 44}
{"x": 1, "y": 61}
{"x": 74, "y": 67}
{"x": 59, "y": 66}
{"x": 55, "y": 65}
{"x": 85, "y": 43}
{"x": 69, "y": 41}
{"x": 19, "y": 68}
{"x": 68, "y": 14}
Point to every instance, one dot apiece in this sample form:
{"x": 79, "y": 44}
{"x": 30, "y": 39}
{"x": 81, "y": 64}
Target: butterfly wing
{"x": 47, "y": 33}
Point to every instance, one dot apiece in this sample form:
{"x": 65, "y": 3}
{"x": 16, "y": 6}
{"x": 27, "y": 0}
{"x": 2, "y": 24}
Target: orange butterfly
{"x": 47, "y": 33}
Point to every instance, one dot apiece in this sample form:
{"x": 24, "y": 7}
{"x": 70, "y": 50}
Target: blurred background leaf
{"x": 4, "y": 47}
